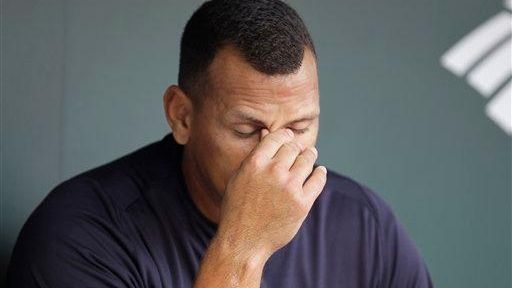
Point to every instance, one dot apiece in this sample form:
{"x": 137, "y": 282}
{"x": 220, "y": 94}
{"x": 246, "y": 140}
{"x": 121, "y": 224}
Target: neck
{"x": 200, "y": 190}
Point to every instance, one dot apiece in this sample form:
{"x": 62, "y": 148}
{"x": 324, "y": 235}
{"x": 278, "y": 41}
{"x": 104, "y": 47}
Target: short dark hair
{"x": 270, "y": 35}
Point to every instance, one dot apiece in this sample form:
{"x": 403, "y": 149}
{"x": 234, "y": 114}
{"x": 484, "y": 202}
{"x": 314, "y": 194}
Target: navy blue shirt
{"x": 132, "y": 223}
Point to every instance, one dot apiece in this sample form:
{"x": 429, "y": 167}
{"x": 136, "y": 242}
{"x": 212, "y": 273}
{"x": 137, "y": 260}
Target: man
{"x": 232, "y": 198}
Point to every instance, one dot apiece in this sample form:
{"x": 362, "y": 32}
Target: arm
{"x": 264, "y": 206}
{"x": 223, "y": 266}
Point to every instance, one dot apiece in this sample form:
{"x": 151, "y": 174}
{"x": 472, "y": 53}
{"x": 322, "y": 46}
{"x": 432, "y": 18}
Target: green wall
{"x": 82, "y": 84}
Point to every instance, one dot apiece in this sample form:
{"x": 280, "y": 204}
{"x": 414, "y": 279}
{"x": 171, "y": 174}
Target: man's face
{"x": 240, "y": 102}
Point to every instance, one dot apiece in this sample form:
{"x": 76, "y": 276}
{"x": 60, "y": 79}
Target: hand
{"x": 269, "y": 197}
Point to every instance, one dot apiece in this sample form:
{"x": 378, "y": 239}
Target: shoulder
{"x": 116, "y": 184}
{"x": 104, "y": 192}
{"x": 81, "y": 223}
{"x": 353, "y": 205}
{"x": 342, "y": 190}
{"x": 73, "y": 234}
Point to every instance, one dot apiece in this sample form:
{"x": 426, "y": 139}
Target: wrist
{"x": 225, "y": 265}
{"x": 240, "y": 250}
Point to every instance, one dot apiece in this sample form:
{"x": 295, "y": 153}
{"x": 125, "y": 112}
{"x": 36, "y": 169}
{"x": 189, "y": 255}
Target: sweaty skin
{"x": 248, "y": 161}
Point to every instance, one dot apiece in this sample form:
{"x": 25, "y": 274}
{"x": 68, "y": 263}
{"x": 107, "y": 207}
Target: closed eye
{"x": 300, "y": 131}
{"x": 257, "y": 132}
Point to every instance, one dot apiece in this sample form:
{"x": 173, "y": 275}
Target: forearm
{"x": 228, "y": 265}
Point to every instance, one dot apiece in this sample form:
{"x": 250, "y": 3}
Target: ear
{"x": 179, "y": 113}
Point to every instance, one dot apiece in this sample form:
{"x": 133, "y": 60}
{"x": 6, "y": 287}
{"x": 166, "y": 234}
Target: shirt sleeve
{"x": 72, "y": 240}
{"x": 401, "y": 263}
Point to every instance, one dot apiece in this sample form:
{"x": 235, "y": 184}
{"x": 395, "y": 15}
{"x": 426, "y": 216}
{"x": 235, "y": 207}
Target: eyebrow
{"x": 246, "y": 117}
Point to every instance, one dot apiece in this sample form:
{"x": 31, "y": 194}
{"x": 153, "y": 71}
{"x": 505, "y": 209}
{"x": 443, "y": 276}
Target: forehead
{"x": 234, "y": 82}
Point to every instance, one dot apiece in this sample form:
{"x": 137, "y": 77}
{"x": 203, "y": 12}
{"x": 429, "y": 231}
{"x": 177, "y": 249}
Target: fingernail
{"x": 313, "y": 149}
{"x": 289, "y": 131}
{"x": 323, "y": 169}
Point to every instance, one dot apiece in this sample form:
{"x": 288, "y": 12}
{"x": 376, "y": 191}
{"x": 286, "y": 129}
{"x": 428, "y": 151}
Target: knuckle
{"x": 291, "y": 185}
{"x": 302, "y": 160}
{"x": 309, "y": 155}
{"x": 301, "y": 204}
{"x": 299, "y": 145}
{"x": 304, "y": 207}
{"x": 255, "y": 161}
{"x": 277, "y": 167}
{"x": 294, "y": 147}
{"x": 274, "y": 139}
{"x": 279, "y": 172}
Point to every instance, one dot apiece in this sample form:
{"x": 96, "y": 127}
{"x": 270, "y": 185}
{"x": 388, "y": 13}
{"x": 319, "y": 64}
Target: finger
{"x": 264, "y": 133}
{"x": 287, "y": 154}
{"x": 315, "y": 184}
{"x": 271, "y": 143}
{"x": 304, "y": 164}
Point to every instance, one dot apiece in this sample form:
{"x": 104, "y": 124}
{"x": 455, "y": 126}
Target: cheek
{"x": 226, "y": 155}
{"x": 309, "y": 139}
{"x": 235, "y": 151}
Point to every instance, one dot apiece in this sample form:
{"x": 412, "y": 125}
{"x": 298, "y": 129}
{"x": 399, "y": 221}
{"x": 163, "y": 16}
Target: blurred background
{"x": 415, "y": 101}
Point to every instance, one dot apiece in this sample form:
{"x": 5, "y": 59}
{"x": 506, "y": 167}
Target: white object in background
{"x": 474, "y": 45}
{"x": 508, "y": 4}
{"x": 492, "y": 71}
{"x": 484, "y": 58}
{"x": 499, "y": 108}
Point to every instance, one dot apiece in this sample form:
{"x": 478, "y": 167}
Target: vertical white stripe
{"x": 473, "y": 46}
{"x": 493, "y": 71}
{"x": 499, "y": 109}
